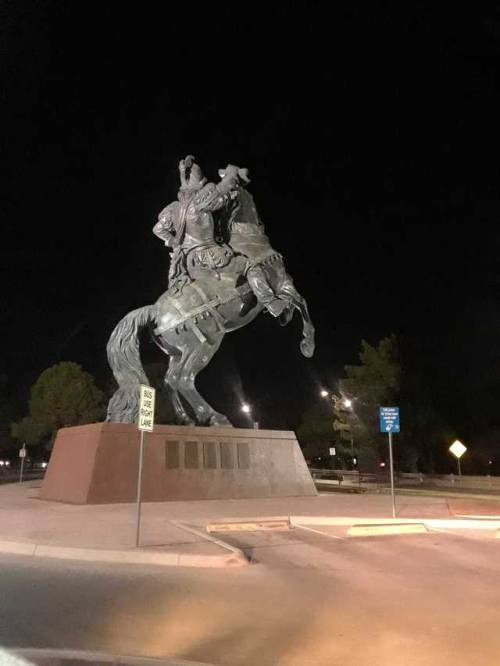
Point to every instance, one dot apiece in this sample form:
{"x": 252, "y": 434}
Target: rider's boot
{"x": 248, "y": 302}
{"x": 257, "y": 279}
{"x": 286, "y": 316}
{"x": 276, "y": 307}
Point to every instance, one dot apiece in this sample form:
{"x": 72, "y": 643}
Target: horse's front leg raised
{"x": 307, "y": 344}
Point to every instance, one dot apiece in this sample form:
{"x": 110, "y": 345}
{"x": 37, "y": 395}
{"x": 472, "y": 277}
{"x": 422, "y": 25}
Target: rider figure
{"x": 187, "y": 225}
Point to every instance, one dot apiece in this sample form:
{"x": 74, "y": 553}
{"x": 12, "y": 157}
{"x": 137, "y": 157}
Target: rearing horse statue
{"x": 217, "y": 284}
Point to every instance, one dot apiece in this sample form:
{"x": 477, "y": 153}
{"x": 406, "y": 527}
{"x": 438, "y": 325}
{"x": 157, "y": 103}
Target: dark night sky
{"x": 372, "y": 137}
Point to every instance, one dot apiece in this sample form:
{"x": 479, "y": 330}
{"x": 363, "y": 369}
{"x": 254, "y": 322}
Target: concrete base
{"x": 98, "y": 463}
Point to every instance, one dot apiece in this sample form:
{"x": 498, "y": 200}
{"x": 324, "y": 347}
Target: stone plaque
{"x": 172, "y": 455}
{"x": 243, "y": 455}
{"x": 191, "y": 460}
{"x": 227, "y": 451}
{"x": 209, "y": 455}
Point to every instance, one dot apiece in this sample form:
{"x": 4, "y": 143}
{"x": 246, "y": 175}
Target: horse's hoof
{"x": 186, "y": 421}
{"x": 307, "y": 348}
{"x": 219, "y": 420}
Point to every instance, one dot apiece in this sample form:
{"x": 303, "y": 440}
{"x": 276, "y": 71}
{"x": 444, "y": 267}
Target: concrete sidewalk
{"x": 174, "y": 533}
{"x": 106, "y": 533}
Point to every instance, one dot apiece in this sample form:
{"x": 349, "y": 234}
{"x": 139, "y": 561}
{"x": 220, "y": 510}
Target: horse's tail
{"x": 125, "y": 361}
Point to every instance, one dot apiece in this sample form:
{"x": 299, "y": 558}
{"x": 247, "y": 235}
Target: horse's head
{"x": 244, "y": 210}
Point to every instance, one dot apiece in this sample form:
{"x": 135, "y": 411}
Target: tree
{"x": 28, "y": 431}
{"x": 63, "y": 395}
{"x": 372, "y": 383}
{"x": 315, "y": 432}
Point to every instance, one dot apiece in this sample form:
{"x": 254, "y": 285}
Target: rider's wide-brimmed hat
{"x": 242, "y": 174}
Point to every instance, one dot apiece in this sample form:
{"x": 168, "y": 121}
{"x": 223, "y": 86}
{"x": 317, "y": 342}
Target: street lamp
{"x": 323, "y": 393}
{"x": 347, "y": 403}
{"x": 246, "y": 409}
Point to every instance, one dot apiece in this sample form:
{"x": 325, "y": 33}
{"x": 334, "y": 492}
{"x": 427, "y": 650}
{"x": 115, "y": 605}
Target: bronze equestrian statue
{"x": 223, "y": 273}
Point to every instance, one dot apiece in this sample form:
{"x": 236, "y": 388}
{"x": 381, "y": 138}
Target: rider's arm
{"x": 214, "y": 197}
{"x": 164, "y": 228}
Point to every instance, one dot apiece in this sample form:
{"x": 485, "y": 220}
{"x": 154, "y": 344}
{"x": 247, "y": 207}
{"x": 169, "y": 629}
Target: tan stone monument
{"x": 98, "y": 463}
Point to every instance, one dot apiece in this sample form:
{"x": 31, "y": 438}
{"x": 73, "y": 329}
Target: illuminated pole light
{"x": 323, "y": 393}
{"x": 245, "y": 408}
{"x": 347, "y": 403}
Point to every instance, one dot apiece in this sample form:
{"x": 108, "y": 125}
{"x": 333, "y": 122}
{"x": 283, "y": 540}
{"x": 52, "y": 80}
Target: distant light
{"x": 245, "y": 408}
{"x": 2, "y": 463}
{"x": 44, "y": 465}
{"x": 458, "y": 449}
{"x": 382, "y": 464}
{"x": 7, "y": 463}
{"x": 355, "y": 461}
{"x": 323, "y": 393}
{"x": 347, "y": 403}
{"x": 490, "y": 462}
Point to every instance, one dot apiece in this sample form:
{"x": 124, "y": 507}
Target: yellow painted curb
{"x": 387, "y": 528}
{"x": 250, "y": 526}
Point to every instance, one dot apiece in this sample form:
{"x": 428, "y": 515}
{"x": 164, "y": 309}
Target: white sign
{"x": 146, "y": 408}
{"x": 332, "y": 450}
{"x": 22, "y": 453}
{"x": 458, "y": 449}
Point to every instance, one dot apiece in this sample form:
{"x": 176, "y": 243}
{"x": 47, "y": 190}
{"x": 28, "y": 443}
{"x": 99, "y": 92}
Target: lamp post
{"x": 347, "y": 402}
{"x": 246, "y": 409}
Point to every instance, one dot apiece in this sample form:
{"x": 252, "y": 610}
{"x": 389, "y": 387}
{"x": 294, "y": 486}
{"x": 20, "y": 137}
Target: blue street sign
{"x": 389, "y": 419}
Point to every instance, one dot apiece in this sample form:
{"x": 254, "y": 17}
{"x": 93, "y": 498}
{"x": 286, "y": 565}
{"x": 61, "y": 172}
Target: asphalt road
{"x": 312, "y": 599}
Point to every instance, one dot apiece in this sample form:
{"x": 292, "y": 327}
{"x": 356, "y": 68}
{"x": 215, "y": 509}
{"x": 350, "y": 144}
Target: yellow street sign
{"x": 458, "y": 449}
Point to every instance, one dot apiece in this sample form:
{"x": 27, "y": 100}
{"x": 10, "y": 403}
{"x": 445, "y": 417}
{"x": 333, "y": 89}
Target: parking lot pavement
{"x": 412, "y": 600}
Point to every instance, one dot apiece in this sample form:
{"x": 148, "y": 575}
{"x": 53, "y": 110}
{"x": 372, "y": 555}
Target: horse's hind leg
{"x": 171, "y": 382}
{"x": 171, "y": 379}
{"x": 194, "y": 359}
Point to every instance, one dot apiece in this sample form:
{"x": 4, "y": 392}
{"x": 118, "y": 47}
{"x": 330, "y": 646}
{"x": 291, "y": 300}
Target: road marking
{"x": 207, "y": 537}
{"x": 310, "y": 529}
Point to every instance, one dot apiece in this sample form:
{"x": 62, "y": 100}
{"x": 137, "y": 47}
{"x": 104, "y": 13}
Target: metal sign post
{"x": 389, "y": 423}
{"x": 22, "y": 455}
{"x": 145, "y": 424}
{"x": 391, "y": 467}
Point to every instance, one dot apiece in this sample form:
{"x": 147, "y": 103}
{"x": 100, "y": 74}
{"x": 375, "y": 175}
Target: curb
{"x": 229, "y": 559}
{"x": 387, "y": 529}
{"x": 438, "y": 523}
{"x": 50, "y": 657}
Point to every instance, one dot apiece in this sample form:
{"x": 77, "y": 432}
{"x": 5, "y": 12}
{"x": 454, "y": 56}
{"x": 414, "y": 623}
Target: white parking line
{"x": 310, "y": 529}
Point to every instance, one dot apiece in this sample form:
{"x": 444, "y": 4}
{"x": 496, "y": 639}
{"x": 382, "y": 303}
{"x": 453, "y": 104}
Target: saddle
{"x": 197, "y": 300}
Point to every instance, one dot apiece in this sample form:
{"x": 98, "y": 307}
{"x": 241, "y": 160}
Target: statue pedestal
{"x": 98, "y": 464}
